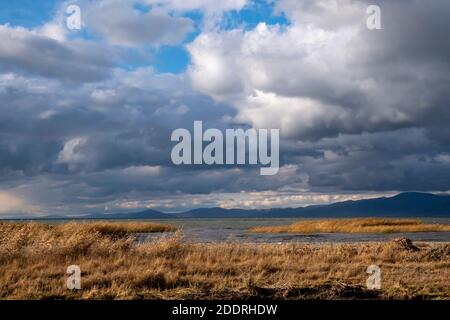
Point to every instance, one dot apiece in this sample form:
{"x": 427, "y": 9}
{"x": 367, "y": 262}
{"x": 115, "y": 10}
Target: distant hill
{"x": 411, "y": 204}
{"x": 408, "y": 204}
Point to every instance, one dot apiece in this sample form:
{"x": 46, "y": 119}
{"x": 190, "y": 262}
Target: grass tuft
{"x": 369, "y": 225}
{"x": 124, "y": 228}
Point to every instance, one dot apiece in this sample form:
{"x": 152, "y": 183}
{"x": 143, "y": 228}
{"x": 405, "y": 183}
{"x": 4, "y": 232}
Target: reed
{"x": 369, "y": 225}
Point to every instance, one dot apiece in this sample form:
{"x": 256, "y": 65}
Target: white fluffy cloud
{"x": 276, "y": 76}
{"x": 294, "y": 116}
{"x": 323, "y": 74}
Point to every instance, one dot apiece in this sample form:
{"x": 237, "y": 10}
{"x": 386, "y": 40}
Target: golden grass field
{"x": 357, "y": 225}
{"x": 34, "y": 258}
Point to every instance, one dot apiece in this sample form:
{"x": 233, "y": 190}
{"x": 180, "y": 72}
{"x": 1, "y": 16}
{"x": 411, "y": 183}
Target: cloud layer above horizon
{"x": 86, "y": 115}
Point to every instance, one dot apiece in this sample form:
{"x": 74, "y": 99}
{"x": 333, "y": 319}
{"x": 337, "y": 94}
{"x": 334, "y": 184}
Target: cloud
{"x": 203, "y": 5}
{"x": 121, "y": 24}
{"x": 26, "y": 52}
{"x": 70, "y": 153}
{"x": 361, "y": 112}
{"x": 213, "y": 13}
{"x": 11, "y": 203}
{"x": 326, "y": 74}
{"x": 53, "y": 30}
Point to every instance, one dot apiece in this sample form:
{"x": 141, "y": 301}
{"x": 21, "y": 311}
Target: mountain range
{"x": 408, "y": 204}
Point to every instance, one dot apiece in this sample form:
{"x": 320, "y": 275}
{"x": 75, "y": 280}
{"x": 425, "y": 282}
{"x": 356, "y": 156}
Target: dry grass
{"x": 22, "y": 236}
{"x": 34, "y": 258}
{"x": 370, "y": 225}
{"x": 123, "y": 228}
{"x": 107, "y": 228}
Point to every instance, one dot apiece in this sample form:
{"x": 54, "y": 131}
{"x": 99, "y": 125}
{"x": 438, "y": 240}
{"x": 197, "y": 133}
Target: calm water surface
{"x": 236, "y": 229}
{"x": 230, "y": 229}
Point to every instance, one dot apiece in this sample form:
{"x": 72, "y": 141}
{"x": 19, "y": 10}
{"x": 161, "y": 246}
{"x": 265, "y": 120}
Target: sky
{"x": 86, "y": 115}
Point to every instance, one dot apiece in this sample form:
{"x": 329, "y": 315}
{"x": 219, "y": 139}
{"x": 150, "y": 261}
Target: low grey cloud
{"x": 23, "y": 51}
{"x": 121, "y": 24}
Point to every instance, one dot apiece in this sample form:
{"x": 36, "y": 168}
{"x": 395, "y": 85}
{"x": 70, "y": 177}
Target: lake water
{"x": 230, "y": 229}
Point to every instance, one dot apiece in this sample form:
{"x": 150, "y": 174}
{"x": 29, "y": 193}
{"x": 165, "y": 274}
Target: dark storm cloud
{"x": 85, "y": 130}
{"x": 415, "y": 30}
{"x": 398, "y": 160}
{"x": 410, "y": 63}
